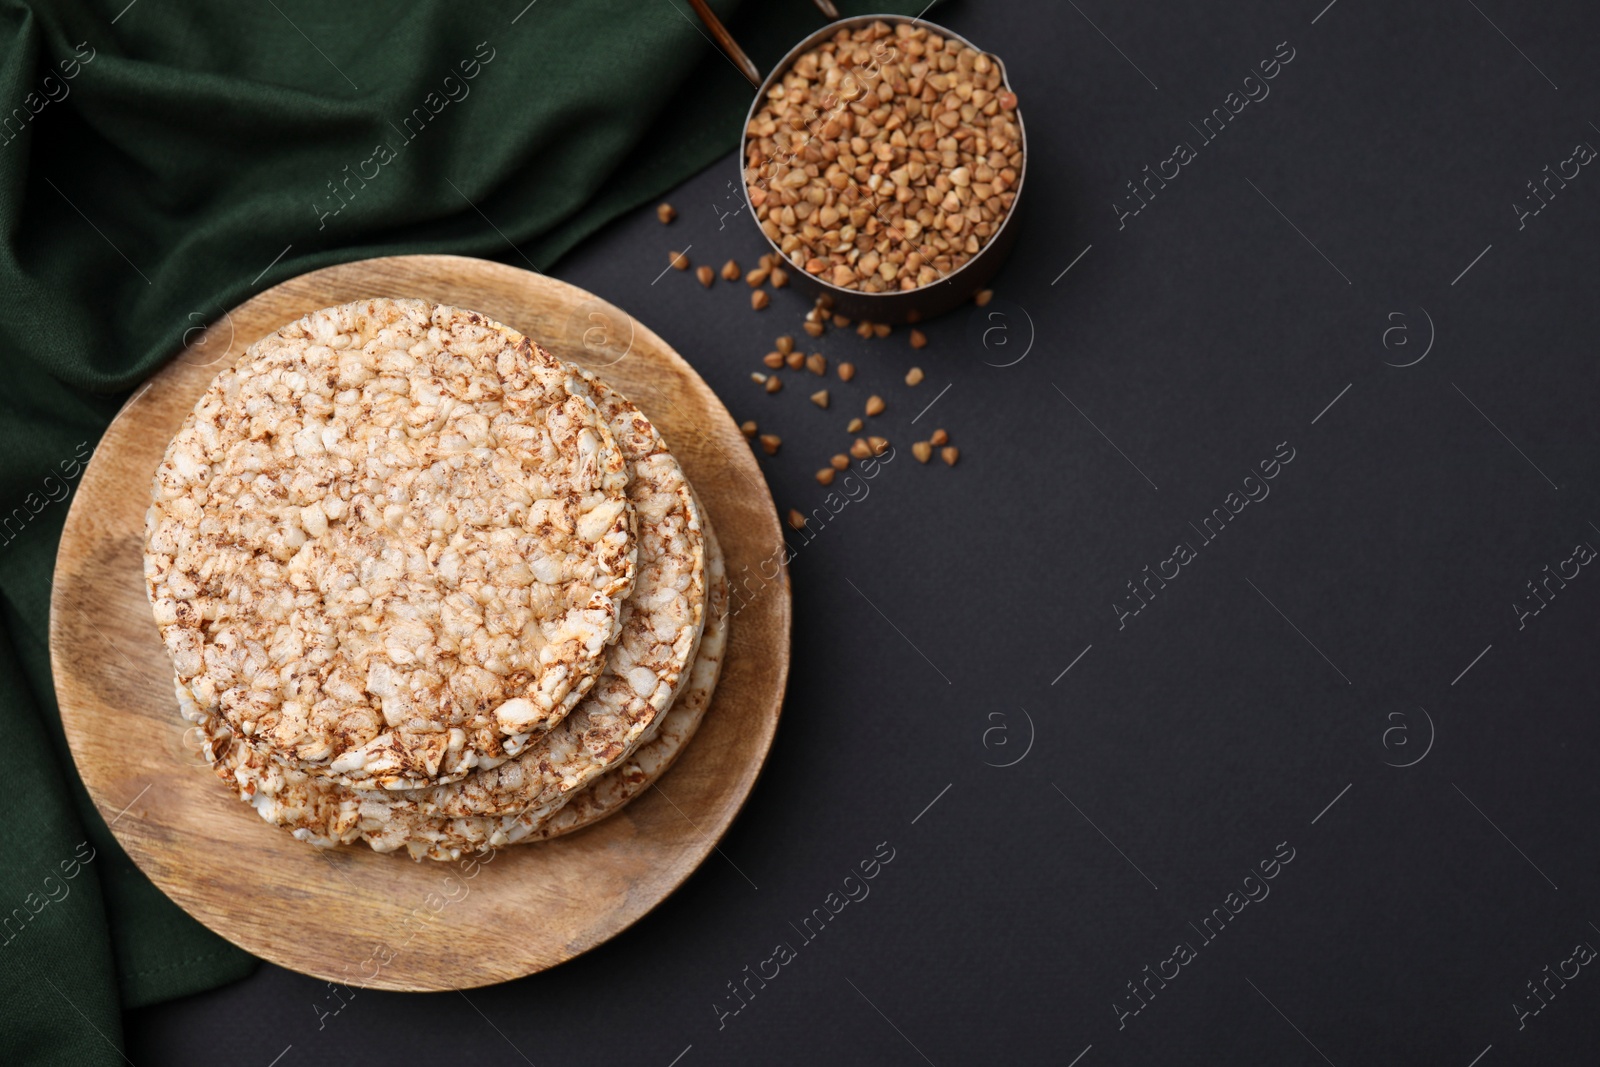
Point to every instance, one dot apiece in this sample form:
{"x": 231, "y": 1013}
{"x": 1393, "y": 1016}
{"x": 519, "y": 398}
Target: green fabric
{"x": 155, "y": 161}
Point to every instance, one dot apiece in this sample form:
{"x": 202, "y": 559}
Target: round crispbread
{"x": 644, "y": 672}
{"x": 391, "y": 543}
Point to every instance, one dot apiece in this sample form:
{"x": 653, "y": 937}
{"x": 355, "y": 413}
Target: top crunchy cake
{"x": 391, "y": 543}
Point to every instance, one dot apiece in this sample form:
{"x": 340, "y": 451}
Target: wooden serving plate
{"x": 351, "y": 915}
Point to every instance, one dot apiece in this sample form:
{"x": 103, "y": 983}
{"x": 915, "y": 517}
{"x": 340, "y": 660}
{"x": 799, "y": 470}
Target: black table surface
{"x": 1231, "y": 700}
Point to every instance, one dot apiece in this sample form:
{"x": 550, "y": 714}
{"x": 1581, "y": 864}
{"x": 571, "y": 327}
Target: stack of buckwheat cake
{"x": 427, "y": 586}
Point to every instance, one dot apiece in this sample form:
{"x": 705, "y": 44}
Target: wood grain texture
{"x": 351, "y": 915}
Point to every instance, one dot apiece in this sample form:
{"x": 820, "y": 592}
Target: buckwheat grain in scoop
{"x": 392, "y": 542}
{"x": 885, "y": 158}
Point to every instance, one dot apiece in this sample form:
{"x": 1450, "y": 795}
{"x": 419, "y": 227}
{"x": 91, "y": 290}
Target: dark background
{"x": 1323, "y": 638}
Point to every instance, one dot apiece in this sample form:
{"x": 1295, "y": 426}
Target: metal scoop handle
{"x": 731, "y": 48}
